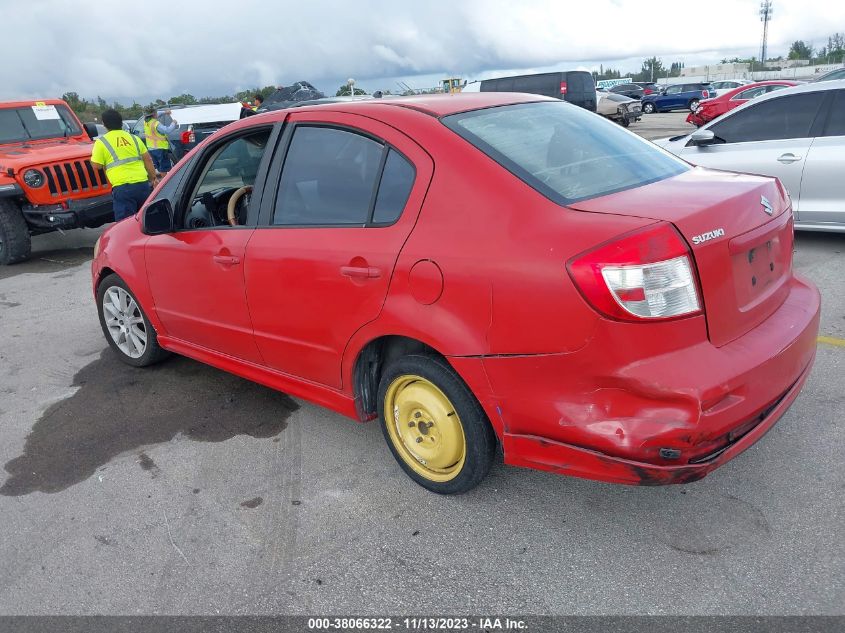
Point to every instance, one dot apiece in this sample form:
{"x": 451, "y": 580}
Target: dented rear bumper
{"x": 620, "y": 410}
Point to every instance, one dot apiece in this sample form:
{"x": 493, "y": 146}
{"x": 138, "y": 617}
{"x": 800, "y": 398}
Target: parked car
{"x": 575, "y": 86}
{"x": 195, "y": 124}
{"x": 711, "y": 108}
{"x": 832, "y": 75}
{"x": 619, "y": 108}
{"x": 795, "y": 134}
{"x": 336, "y": 269}
{"x": 47, "y": 181}
{"x": 128, "y": 124}
{"x": 719, "y": 87}
{"x": 649, "y": 87}
{"x": 676, "y": 97}
{"x": 628, "y": 90}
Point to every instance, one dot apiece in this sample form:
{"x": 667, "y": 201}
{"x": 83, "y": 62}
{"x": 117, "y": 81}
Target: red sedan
{"x": 476, "y": 270}
{"x": 709, "y": 109}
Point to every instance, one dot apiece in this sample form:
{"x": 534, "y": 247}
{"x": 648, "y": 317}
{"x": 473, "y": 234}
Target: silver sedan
{"x": 795, "y": 134}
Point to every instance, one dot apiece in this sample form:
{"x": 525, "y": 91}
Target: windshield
{"x": 564, "y": 152}
{"x": 36, "y": 122}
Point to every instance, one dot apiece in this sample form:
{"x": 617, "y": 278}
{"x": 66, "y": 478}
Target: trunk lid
{"x": 743, "y": 253}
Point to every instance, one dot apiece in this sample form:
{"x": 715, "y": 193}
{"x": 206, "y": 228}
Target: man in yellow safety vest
{"x": 127, "y": 163}
{"x": 156, "y": 138}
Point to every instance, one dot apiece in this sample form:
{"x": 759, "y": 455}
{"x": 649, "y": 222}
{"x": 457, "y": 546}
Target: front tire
{"x": 692, "y": 105}
{"x": 125, "y": 326}
{"x": 15, "y": 242}
{"x": 434, "y": 426}
{"x": 649, "y": 108}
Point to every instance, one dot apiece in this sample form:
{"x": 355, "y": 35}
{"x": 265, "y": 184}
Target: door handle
{"x": 788, "y": 158}
{"x": 366, "y": 272}
{"x": 226, "y": 260}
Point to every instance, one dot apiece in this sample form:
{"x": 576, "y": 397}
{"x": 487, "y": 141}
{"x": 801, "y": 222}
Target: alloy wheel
{"x": 124, "y": 322}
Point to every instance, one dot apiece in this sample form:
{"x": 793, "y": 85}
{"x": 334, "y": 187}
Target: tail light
{"x": 648, "y": 91}
{"x": 563, "y": 87}
{"x": 188, "y": 137}
{"x": 705, "y": 94}
{"x": 644, "y": 275}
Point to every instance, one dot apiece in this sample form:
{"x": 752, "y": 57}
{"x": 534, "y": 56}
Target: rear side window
{"x": 328, "y": 178}
{"x": 836, "y": 122}
{"x": 562, "y": 151}
{"x": 394, "y": 188}
{"x": 779, "y": 118}
{"x": 751, "y": 93}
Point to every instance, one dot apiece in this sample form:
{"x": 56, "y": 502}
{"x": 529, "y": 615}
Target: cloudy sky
{"x": 125, "y": 51}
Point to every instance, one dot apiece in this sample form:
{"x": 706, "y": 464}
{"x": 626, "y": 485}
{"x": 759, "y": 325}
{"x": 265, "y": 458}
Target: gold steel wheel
{"x": 425, "y": 428}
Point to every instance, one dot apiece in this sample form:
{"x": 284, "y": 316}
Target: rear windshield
{"x": 36, "y": 122}
{"x": 564, "y": 152}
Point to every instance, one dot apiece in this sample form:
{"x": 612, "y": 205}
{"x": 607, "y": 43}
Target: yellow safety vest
{"x": 123, "y": 157}
{"x": 155, "y": 140}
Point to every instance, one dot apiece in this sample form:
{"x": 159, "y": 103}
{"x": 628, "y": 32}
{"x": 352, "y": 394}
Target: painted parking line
{"x": 831, "y": 340}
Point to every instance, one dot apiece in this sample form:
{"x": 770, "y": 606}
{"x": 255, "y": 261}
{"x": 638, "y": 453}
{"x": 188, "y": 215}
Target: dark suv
{"x": 677, "y": 97}
{"x": 575, "y": 86}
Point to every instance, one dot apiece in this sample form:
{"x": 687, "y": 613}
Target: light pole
{"x": 351, "y": 83}
{"x": 766, "y": 10}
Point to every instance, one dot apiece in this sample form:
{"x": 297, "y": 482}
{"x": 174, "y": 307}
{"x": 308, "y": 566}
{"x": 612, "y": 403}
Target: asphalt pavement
{"x": 182, "y": 489}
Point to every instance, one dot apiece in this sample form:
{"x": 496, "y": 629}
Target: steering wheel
{"x": 233, "y": 203}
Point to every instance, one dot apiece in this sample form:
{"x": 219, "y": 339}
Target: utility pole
{"x": 766, "y": 10}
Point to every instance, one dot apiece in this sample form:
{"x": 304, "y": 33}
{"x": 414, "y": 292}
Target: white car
{"x": 795, "y": 134}
{"x": 720, "y": 87}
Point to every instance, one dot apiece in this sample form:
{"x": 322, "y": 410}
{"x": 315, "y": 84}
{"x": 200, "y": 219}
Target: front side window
{"x": 230, "y": 170}
{"x": 36, "y": 122}
{"x": 673, "y": 90}
{"x": 779, "y": 118}
{"x": 562, "y": 151}
{"x": 328, "y": 178}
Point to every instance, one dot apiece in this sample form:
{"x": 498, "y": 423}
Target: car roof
{"x": 213, "y": 113}
{"x": 836, "y": 84}
{"x": 438, "y": 105}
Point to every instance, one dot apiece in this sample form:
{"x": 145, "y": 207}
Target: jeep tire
{"x": 15, "y": 243}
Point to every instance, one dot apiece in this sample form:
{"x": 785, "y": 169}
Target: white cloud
{"x": 130, "y": 50}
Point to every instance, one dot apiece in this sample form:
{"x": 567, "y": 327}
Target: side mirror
{"x": 158, "y": 218}
{"x": 702, "y": 137}
{"x": 91, "y": 130}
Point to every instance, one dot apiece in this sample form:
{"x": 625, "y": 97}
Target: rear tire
{"x": 433, "y": 425}
{"x": 649, "y": 108}
{"x": 125, "y": 326}
{"x": 15, "y": 242}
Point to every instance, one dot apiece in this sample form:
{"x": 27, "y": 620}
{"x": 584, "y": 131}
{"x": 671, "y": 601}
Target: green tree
{"x": 800, "y": 50}
{"x": 185, "y": 99}
{"x": 652, "y": 69}
{"x": 343, "y": 91}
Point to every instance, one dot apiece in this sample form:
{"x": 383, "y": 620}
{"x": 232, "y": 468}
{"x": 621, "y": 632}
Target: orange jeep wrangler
{"x": 47, "y": 182}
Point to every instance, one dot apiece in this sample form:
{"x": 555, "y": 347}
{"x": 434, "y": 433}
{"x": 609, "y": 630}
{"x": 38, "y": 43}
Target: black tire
{"x": 15, "y": 242}
{"x": 153, "y": 353}
{"x": 692, "y": 105}
{"x": 649, "y": 108}
{"x": 480, "y": 439}
{"x": 624, "y": 122}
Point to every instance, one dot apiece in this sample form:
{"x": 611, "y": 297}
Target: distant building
{"x": 714, "y": 69}
{"x": 787, "y": 63}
